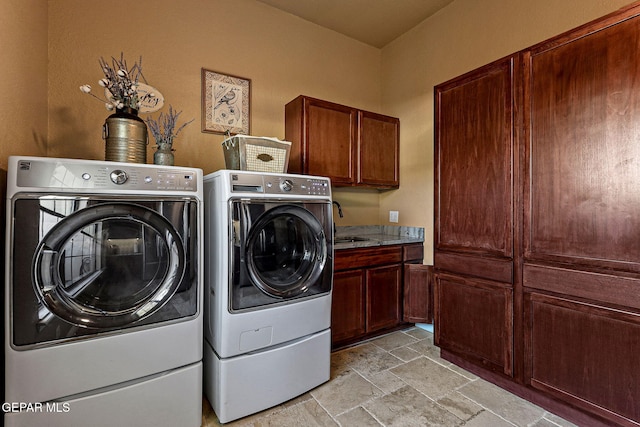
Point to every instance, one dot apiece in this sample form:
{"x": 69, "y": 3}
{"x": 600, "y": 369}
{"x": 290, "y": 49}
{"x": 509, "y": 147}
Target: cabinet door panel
{"x": 331, "y": 141}
{"x": 585, "y": 354}
{"x": 379, "y": 143}
{"x": 383, "y": 297}
{"x": 583, "y": 154}
{"x": 347, "y": 310}
{"x": 418, "y": 293}
{"x": 474, "y": 318}
{"x": 474, "y": 137}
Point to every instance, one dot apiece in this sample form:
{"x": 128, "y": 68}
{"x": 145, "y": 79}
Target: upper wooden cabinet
{"x": 350, "y": 146}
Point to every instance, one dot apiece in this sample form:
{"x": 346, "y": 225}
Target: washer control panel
{"x": 242, "y": 182}
{"x": 71, "y": 174}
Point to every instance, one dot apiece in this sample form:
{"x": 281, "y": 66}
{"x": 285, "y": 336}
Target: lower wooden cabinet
{"x": 371, "y": 291}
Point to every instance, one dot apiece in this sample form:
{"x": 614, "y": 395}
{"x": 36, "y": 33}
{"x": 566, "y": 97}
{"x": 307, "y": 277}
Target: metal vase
{"x": 163, "y": 155}
{"x": 125, "y": 136}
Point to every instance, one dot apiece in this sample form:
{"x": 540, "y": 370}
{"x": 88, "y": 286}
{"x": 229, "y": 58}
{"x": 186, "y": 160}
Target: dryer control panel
{"x": 74, "y": 175}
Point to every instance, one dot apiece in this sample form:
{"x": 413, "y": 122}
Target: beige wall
{"x": 463, "y": 36}
{"x": 23, "y": 82}
{"x": 284, "y": 56}
{"x": 48, "y": 49}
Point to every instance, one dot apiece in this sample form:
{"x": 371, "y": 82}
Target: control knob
{"x": 118, "y": 176}
{"x": 286, "y": 185}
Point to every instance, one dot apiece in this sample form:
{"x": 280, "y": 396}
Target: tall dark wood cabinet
{"x": 582, "y": 218}
{"x": 537, "y": 225}
{"x": 474, "y": 204}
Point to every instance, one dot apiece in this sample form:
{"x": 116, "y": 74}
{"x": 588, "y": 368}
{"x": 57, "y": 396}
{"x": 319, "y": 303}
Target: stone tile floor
{"x": 398, "y": 380}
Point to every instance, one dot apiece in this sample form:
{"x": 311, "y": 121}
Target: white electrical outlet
{"x": 393, "y": 216}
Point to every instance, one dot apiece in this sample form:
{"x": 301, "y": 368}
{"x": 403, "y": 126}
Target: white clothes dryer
{"x": 103, "y": 294}
{"x": 268, "y": 280}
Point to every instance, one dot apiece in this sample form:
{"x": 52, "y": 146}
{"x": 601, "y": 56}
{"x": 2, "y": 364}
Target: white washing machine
{"x": 268, "y": 280}
{"x": 103, "y": 294}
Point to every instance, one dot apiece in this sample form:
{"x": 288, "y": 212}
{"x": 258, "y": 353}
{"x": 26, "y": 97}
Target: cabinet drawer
{"x": 604, "y": 288}
{"x": 490, "y": 268}
{"x": 413, "y": 252}
{"x": 346, "y": 259}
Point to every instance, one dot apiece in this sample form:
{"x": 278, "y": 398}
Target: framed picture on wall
{"x": 225, "y": 103}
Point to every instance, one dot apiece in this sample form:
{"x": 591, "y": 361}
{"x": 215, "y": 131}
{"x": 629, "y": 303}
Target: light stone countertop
{"x": 377, "y": 235}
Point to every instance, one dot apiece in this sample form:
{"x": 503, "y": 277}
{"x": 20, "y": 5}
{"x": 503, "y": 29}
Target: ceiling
{"x": 374, "y": 22}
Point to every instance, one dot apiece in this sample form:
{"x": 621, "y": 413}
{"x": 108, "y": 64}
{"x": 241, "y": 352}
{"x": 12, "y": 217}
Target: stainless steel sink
{"x": 350, "y": 239}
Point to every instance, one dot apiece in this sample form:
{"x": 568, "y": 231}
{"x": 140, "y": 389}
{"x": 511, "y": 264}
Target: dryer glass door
{"x": 82, "y": 267}
{"x": 108, "y": 265}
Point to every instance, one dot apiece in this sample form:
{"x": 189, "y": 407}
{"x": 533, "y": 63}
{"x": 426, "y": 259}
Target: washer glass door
{"x": 284, "y": 252}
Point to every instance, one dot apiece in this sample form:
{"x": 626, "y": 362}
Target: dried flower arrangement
{"x": 164, "y": 129}
{"x": 121, "y": 82}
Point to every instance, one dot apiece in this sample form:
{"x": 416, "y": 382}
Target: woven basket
{"x": 260, "y": 154}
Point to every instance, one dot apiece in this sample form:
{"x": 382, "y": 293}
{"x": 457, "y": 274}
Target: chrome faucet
{"x": 339, "y": 213}
{"x": 339, "y": 208}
